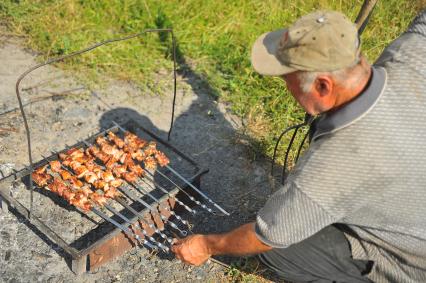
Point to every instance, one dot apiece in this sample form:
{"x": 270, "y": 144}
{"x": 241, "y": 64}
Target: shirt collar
{"x": 331, "y": 122}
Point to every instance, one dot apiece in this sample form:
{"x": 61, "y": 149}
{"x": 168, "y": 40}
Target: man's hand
{"x": 192, "y": 249}
{"x": 197, "y": 249}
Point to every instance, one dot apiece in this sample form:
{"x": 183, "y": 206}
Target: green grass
{"x": 214, "y": 37}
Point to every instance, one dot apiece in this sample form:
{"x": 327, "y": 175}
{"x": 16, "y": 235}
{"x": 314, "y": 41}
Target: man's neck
{"x": 354, "y": 87}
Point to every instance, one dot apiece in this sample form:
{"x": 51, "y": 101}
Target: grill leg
{"x": 79, "y": 265}
{"x": 4, "y": 207}
{"x": 4, "y": 191}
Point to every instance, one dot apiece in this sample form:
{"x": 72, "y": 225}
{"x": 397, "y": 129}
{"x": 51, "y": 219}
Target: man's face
{"x": 305, "y": 99}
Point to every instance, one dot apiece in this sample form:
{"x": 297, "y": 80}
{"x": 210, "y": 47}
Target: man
{"x": 354, "y": 207}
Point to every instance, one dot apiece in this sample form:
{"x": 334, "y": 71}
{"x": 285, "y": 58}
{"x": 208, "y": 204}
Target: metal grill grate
{"x": 149, "y": 212}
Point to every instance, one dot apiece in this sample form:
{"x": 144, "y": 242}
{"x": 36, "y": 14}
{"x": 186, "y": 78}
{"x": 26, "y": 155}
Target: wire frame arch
{"x": 76, "y": 53}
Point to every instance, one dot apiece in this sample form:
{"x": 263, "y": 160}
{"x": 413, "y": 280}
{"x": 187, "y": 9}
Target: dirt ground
{"x": 62, "y": 110}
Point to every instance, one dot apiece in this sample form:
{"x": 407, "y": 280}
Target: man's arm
{"x": 196, "y": 249}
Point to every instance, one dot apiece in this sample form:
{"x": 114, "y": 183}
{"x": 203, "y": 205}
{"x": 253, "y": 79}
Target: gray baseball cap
{"x": 322, "y": 41}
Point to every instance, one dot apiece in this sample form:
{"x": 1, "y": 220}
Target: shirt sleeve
{"x": 289, "y": 217}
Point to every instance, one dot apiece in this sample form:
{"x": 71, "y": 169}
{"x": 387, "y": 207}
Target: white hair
{"x": 306, "y": 79}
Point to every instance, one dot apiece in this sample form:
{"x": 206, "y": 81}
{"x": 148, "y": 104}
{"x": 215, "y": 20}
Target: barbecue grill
{"x": 149, "y": 212}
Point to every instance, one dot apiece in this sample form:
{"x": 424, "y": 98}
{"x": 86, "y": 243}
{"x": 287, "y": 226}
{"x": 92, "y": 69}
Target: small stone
{"x": 6, "y": 169}
{"x": 5, "y": 236}
{"x": 40, "y": 256}
{"x": 7, "y": 255}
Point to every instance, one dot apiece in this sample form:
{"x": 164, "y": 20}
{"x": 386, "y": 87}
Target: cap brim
{"x": 263, "y": 55}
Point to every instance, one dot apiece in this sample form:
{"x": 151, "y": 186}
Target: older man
{"x": 354, "y": 207}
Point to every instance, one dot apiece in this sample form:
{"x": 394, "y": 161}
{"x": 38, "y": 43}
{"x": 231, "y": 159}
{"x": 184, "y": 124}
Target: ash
{"x": 62, "y": 110}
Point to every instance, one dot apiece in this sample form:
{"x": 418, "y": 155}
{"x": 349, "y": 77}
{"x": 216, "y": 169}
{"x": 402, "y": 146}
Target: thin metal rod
{"x": 138, "y": 187}
{"x": 182, "y": 190}
{"x": 106, "y": 205}
{"x": 157, "y": 185}
{"x": 127, "y": 220}
{"x": 301, "y": 145}
{"x": 126, "y": 230}
{"x": 308, "y": 121}
{"x": 61, "y": 58}
{"x": 290, "y": 144}
{"x": 143, "y": 191}
{"x": 198, "y": 191}
{"x": 187, "y": 182}
{"x": 173, "y": 225}
{"x": 142, "y": 218}
{"x": 170, "y": 196}
{"x": 174, "y": 85}
{"x": 144, "y": 203}
{"x": 278, "y": 143}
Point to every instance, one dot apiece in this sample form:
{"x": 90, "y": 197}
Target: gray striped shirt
{"x": 366, "y": 168}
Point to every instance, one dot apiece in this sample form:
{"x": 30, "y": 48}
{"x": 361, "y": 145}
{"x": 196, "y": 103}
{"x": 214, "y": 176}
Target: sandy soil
{"x": 62, "y": 110}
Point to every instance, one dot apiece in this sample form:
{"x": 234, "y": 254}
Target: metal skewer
{"x": 127, "y": 231}
{"x": 103, "y": 133}
{"x": 139, "y": 188}
{"x": 198, "y": 191}
{"x": 127, "y": 220}
{"x": 141, "y": 218}
{"x": 186, "y": 181}
{"x": 162, "y": 189}
{"x": 185, "y": 192}
{"x": 114, "y": 212}
{"x": 157, "y": 185}
{"x": 126, "y": 192}
{"x": 123, "y": 228}
{"x": 128, "y": 207}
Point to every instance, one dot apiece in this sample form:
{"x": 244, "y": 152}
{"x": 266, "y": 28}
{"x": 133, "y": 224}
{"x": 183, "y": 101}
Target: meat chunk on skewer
{"x": 130, "y": 177}
{"x": 80, "y": 170}
{"x": 81, "y": 201}
{"x": 116, "y": 183}
{"x": 40, "y": 170}
{"x": 161, "y": 158}
{"x": 98, "y": 198}
{"x": 90, "y": 177}
{"x": 57, "y": 186}
{"x": 65, "y": 175}
{"x": 137, "y": 169}
{"x": 107, "y": 176}
{"x": 95, "y": 151}
{"x": 55, "y": 165}
{"x": 68, "y": 195}
{"x": 41, "y": 179}
{"x": 151, "y": 149}
{"x": 116, "y": 140}
{"x": 75, "y": 183}
{"x": 150, "y": 163}
{"x": 134, "y": 141}
{"x": 86, "y": 191}
{"x": 111, "y": 193}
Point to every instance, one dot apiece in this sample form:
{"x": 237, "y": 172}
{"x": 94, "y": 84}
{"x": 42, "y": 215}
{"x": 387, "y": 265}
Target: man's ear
{"x": 323, "y": 85}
